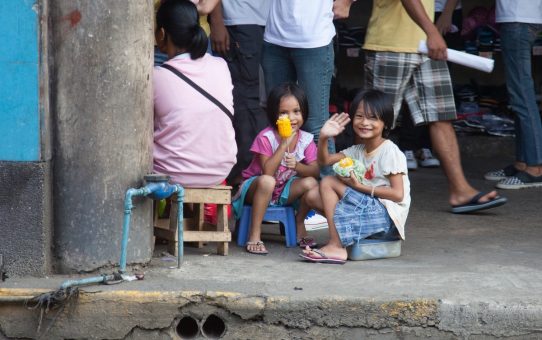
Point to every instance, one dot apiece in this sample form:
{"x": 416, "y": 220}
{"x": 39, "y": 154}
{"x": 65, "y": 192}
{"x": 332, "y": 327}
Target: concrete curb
{"x": 135, "y": 314}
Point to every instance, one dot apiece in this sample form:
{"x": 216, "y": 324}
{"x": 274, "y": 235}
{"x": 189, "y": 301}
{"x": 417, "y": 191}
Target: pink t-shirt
{"x": 267, "y": 142}
{"x": 194, "y": 140}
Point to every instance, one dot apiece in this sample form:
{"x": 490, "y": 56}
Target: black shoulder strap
{"x": 199, "y": 89}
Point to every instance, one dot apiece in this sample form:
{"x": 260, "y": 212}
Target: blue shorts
{"x": 239, "y": 199}
{"x": 358, "y": 216}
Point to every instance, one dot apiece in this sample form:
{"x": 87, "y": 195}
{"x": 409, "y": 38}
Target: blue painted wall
{"x": 19, "y": 86}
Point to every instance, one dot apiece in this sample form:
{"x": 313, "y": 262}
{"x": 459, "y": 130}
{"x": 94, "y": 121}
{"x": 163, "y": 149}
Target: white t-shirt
{"x": 439, "y": 5}
{"x": 245, "y": 12}
{"x": 300, "y": 23}
{"x": 386, "y": 160}
{"x": 526, "y": 11}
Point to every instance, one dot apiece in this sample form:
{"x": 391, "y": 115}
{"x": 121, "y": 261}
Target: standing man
{"x": 394, "y": 66}
{"x": 298, "y": 48}
{"x": 237, "y": 35}
{"x": 520, "y": 23}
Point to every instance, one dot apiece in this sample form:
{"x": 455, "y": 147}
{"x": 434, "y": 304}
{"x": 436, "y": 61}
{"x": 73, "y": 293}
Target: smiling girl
{"x": 358, "y": 209}
{"x": 283, "y": 170}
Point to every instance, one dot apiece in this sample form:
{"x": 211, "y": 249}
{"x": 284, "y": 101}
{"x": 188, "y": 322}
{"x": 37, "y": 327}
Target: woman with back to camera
{"x": 194, "y": 140}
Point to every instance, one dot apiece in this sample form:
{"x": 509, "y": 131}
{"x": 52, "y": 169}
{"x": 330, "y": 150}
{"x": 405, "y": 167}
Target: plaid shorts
{"x": 423, "y": 83}
{"x": 358, "y": 216}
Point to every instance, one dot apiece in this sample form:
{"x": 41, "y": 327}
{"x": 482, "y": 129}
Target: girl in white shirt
{"x": 380, "y": 201}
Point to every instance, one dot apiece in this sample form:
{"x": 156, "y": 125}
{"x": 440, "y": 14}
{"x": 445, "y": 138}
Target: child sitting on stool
{"x": 380, "y": 201}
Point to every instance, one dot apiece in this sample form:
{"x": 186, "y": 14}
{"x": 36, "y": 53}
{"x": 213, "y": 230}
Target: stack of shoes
{"x": 485, "y": 37}
{"x": 471, "y": 47}
{"x": 467, "y": 97}
{"x": 497, "y": 45}
{"x": 466, "y": 93}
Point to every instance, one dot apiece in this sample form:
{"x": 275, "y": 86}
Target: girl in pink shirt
{"x": 283, "y": 170}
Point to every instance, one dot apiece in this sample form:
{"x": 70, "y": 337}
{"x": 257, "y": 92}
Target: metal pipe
{"x": 157, "y": 188}
{"x": 126, "y": 223}
{"x": 14, "y": 299}
{"x": 87, "y": 281}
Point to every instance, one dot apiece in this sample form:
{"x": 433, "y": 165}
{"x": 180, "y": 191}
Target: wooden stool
{"x": 195, "y": 229}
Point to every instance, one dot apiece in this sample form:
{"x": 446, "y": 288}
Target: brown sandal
{"x": 260, "y": 248}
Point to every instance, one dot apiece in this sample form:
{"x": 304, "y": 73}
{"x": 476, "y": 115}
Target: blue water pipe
{"x": 157, "y": 188}
{"x": 90, "y": 280}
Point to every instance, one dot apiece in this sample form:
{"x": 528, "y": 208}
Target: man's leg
{"x": 244, "y": 64}
{"x": 517, "y": 41}
{"x": 436, "y": 106}
{"x": 444, "y": 141}
{"x": 314, "y": 68}
{"x": 277, "y": 66}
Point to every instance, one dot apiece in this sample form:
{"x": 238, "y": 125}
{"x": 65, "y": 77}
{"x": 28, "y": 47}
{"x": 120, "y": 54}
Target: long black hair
{"x": 180, "y": 21}
{"x": 377, "y": 104}
{"x": 281, "y": 91}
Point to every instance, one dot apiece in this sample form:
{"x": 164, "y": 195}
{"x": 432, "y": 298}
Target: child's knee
{"x": 312, "y": 196}
{"x": 309, "y": 183}
{"x": 266, "y": 182}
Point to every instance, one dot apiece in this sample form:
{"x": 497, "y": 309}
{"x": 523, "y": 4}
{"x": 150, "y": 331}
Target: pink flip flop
{"x": 323, "y": 258}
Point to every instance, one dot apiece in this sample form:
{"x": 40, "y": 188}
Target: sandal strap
{"x": 255, "y": 243}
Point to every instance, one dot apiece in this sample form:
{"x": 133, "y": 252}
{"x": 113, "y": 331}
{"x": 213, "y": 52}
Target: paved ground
{"x": 468, "y": 276}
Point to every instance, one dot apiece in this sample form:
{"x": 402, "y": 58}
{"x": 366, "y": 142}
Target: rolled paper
{"x": 284, "y": 126}
{"x": 462, "y": 58}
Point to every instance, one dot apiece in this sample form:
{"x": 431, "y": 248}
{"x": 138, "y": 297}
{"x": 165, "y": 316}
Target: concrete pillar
{"x": 101, "y": 56}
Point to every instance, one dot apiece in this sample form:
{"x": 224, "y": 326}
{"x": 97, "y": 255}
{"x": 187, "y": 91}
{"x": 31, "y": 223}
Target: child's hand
{"x": 335, "y": 125}
{"x": 351, "y": 181}
{"x": 289, "y": 159}
{"x": 288, "y": 140}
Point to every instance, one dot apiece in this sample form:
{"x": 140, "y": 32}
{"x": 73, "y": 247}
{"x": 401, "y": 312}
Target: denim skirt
{"x": 358, "y": 216}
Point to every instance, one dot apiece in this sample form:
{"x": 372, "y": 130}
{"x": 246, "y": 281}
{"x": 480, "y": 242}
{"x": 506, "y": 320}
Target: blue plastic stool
{"x": 284, "y": 215}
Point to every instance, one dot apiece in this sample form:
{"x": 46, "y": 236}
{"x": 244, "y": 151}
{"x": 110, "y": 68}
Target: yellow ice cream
{"x": 284, "y": 126}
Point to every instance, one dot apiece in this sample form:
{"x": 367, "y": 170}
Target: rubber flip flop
{"x": 322, "y": 259}
{"x": 474, "y": 204}
{"x": 256, "y": 252}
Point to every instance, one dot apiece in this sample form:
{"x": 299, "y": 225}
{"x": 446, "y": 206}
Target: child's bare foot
{"x": 256, "y": 247}
{"x": 326, "y": 254}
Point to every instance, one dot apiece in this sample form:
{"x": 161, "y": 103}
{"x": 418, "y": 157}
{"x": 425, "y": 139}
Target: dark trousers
{"x": 244, "y": 64}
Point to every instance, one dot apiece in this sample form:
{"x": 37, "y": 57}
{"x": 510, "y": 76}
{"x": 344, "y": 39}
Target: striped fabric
{"x": 423, "y": 83}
